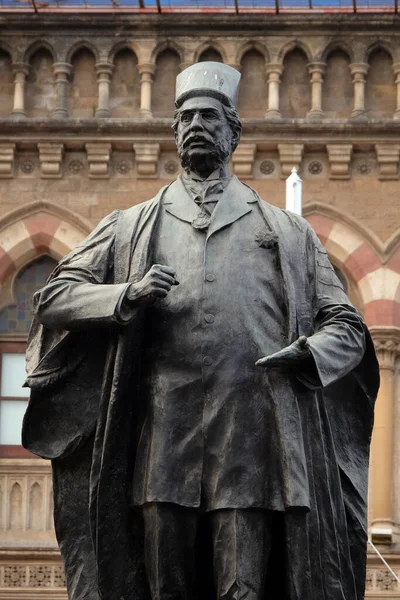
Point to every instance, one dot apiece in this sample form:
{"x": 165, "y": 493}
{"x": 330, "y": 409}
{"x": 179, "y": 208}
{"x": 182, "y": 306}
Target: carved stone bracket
{"x": 147, "y": 156}
{"x": 98, "y": 155}
{"x": 339, "y": 160}
{"x": 243, "y": 160}
{"x": 290, "y": 156}
{"x": 7, "y": 156}
{"x": 50, "y": 156}
{"x": 388, "y": 160}
{"x": 387, "y": 346}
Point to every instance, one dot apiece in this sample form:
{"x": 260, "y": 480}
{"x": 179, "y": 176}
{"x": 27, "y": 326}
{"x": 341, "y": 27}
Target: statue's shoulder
{"x": 143, "y": 209}
{"x": 286, "y": 219}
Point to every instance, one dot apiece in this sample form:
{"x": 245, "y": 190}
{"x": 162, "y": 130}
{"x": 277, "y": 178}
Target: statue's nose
{"x": 197, "y": 122}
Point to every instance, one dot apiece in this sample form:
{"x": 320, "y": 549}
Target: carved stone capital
{"x": 316, "y": 70}
{"x": 387, "y": 345}
{"x": 104, "y": 70}
{"x": 339, "y": 156}
{"x": 243, "y": 160}
{"x": 359, "y": 71}
{"x": 20, "y": 70}
{"x": 99, "y": 156}
{"x": 147, "y": 69}
{"x": 388, "y": 160}
{"x": 290, "y": 156}
{"x": 274, "y": 71}
{"x": 62, "y": 70}
{"x": 50, "y": 156}
{"x": 147, "y": 156}
{"x": 7, "y": 156}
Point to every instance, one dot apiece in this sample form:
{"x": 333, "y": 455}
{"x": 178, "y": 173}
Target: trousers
{"x": 240, "y": 541}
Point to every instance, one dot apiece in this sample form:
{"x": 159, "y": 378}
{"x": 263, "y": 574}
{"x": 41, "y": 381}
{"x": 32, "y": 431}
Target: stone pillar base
{"x": 315, "y": 114}
{"x": 18, "y": 114}
{"x": 273, "y": 114}
{"x": 102, "y": 113}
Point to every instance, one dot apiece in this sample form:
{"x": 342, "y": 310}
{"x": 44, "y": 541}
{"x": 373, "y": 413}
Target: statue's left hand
{"x": 287, "y": 357}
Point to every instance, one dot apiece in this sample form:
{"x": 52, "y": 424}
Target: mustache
{"x": 195, "y": 137}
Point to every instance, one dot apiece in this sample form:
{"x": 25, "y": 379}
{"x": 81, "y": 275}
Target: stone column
{"x": 316, "y": 71}
{"x": 359, "y": 72}
{"x": 61, "y": 71}
{"x": 104, "y": 71}
{"x": 274, "y": 72}
{"x": 20, "y": 70}
{"x": 387, "y": 344}
{"x": 396, "y": 69}
{"x": 146, "y": 71}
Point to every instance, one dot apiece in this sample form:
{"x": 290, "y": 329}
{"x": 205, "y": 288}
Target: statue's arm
{"x": 337, "y": 344}
{"x": 78, "y": 294}
{"x": 81, "y": 292}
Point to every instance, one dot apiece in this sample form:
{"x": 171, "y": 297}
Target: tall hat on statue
{"x": 208, "y": 79}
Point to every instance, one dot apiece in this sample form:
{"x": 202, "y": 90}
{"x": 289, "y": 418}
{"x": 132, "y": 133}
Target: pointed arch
{"x": 15, "y": 507}
{"x": 35, "y": 229}
{"x": 338, "y": 44}
{"x": 35, "y": 507}
{"x": 5, "y": 47}
{"x": 380, "y": 45}
{"x": 167, "y": 45}
{"x": 124, "y": 45}
{"x": 210, "y": 45}
{"x": 82, "y": 44}
{"x": 293, "y": 45}
{"x": 38, "y": 45}
{"x": 250, "y": 45}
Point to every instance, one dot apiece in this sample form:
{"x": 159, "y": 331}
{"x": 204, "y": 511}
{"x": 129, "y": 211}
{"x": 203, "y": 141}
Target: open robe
{"x": 87, "y": 380}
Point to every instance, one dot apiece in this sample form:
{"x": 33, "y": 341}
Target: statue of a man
{"x": 205, "y": 390}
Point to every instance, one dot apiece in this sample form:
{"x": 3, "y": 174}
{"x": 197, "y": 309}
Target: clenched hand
{"x": 155, "y": 284}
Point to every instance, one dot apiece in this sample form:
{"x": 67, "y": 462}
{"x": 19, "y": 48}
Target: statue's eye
{"x": 186, "y": 118}
{"x": 209, "y": 116}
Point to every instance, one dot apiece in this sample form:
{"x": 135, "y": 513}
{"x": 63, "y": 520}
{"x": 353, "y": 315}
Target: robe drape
{"x": 84, "y": 382}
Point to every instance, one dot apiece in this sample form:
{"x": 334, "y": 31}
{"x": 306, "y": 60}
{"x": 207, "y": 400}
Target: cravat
{"x": 206, "y": 194}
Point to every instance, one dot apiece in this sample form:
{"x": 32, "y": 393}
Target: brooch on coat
{"x": 267, "y": 239}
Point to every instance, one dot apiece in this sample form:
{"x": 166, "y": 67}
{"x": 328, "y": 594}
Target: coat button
{"x": 210, "y": 277}
{"x": 207, "y": 360}
{"x": 209, "y": 318}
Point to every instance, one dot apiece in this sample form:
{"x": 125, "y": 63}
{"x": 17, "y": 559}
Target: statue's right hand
{"x": 155, "y": 284}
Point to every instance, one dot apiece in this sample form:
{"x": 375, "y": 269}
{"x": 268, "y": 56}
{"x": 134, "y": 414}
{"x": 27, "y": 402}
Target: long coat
{"x": 84, "y": 379}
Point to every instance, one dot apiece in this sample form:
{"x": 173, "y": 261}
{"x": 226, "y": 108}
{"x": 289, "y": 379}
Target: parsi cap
{"x": 208, "y": 79}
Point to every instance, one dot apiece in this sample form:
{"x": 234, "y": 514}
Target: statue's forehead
{"x": 201, "y": 103}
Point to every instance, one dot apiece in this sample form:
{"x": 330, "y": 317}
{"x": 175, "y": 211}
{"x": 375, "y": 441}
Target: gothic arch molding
{"x": 292, "y": 45}
{"x": 210, "y": 45}
{"x": 125, "y": 45}
{"x": 79, "y": 46}
{"x": 36, "y": 229}
{"x": 337, "y": 45}
{"x": 166, "y": 45}
{"x": 38, "y": 45}
{"x": 252, "y": 46}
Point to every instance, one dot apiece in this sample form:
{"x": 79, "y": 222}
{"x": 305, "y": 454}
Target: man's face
{"x": 204, "y": 137}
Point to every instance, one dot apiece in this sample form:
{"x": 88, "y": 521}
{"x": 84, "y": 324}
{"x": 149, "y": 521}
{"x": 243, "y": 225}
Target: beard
{"x": 212, "y": 156}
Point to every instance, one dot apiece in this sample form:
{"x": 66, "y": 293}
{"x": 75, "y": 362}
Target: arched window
{"x": 15, "y": 321}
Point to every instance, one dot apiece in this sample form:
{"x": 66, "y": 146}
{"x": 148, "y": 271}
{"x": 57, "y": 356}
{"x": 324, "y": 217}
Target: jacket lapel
{"x": 233, "y": 204}
{"x": 179, "y": 203}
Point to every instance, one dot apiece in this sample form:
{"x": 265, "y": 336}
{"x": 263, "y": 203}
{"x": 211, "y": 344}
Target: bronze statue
{"x": 205, "y": 390}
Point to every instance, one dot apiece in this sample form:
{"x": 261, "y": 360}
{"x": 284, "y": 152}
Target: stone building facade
{"x": 86, "y": 101}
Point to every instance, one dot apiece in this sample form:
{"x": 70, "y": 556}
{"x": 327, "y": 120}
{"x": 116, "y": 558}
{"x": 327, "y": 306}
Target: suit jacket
{"x": 326, "y": 442}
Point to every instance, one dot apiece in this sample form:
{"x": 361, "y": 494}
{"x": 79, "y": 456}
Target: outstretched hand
{"x": 287, "y": 357}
